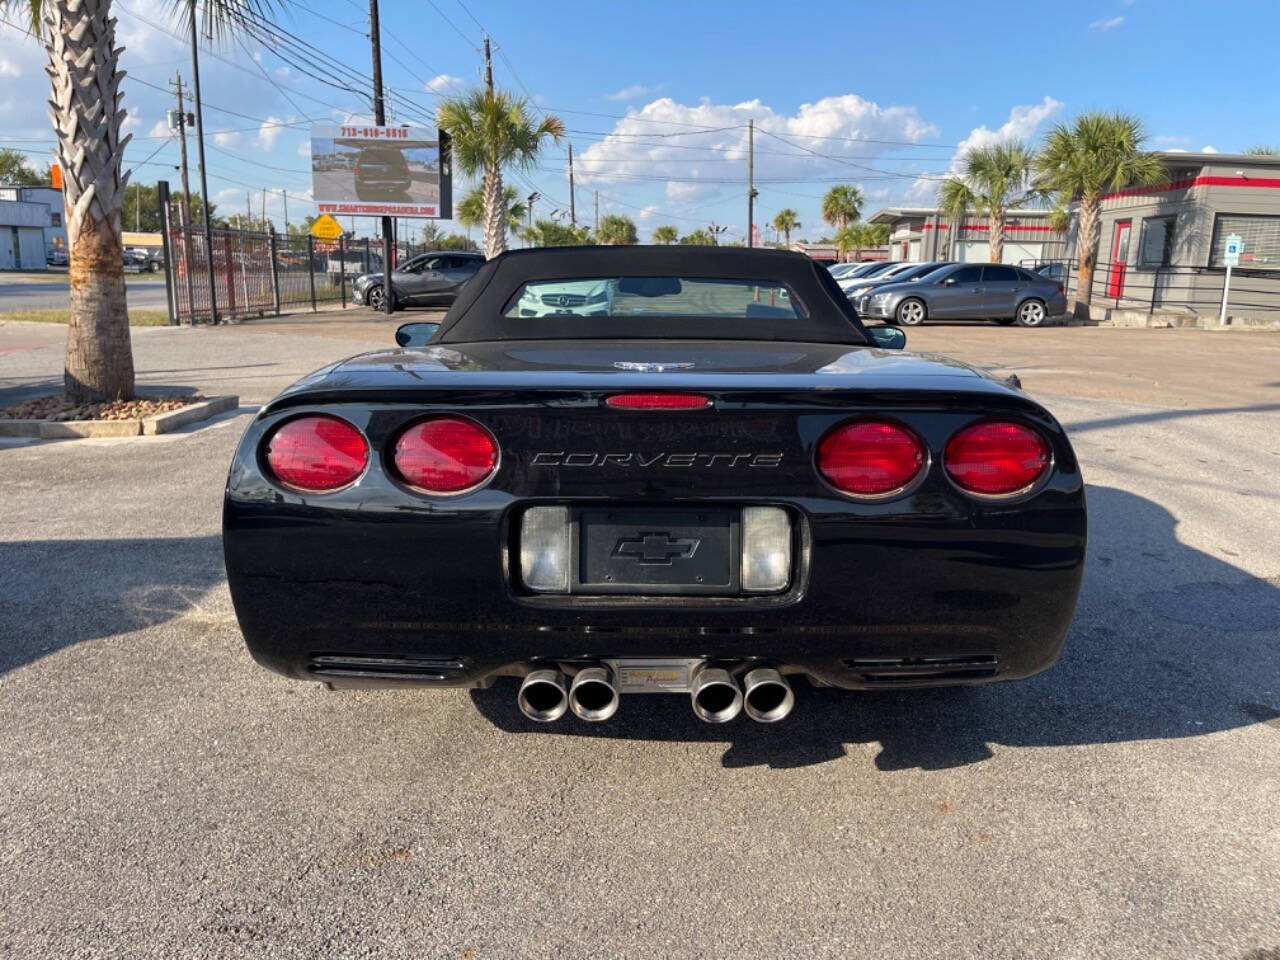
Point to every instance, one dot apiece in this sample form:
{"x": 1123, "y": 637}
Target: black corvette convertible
{"x": 619, "y": 470}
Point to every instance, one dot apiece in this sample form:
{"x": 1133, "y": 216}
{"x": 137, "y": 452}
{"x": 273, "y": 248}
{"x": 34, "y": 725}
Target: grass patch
{"x": 52, "y": 276}
{"x": 137, "y": 318}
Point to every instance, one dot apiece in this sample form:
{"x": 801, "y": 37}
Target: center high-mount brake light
{"x": 870, "y": 458}
{"x": 446, "y": 455}
{"x": 316, "y": 454}
{"x": 996, "y": 458}
{"x": 658, "y": 401}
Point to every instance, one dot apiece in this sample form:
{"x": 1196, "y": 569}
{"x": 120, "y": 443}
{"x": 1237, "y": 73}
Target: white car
{"x": 570, "y": 298}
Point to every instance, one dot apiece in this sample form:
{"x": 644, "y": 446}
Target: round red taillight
{"x": 446, "y": 455}
{"x": 996, "y": 458}
{"x": 317, "y": 454}
{"x": 870, "y": 458}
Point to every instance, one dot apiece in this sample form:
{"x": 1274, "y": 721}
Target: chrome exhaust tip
{"x": 543, "y": 696}
{"x": 766, "y": 695}
{"x": 592, "y": 696}
{"x": 716, "y": 697}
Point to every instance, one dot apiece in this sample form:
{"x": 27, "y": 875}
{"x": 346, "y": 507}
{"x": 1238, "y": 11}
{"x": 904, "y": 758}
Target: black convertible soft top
{"x": 477, "y": 314}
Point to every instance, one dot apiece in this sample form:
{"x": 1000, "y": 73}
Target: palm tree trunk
{"x": 1087, "y": 249}
{"x": 995, "y": 236}
{"x": 87, "y": 116}
{"x": 495, "y": 213}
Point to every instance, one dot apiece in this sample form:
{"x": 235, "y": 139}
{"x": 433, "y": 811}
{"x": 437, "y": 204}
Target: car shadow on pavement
{"x": 1168, "y": 642}
{"x": 59, "y": 593}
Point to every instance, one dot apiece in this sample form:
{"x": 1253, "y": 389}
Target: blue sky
{"x": 656, "y": 96}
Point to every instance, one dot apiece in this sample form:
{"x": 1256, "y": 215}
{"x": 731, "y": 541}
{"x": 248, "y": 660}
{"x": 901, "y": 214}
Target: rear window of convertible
{"x": 654, "y": 297}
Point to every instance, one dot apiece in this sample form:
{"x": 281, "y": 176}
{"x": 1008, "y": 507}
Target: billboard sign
{"x": 381, "y": 171}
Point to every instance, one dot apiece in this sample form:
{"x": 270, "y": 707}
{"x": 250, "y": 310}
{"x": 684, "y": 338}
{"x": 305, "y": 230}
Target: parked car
{"x": 382, "y": 174}
{"x": 574, "y": 297}
{"x": 429, "y": 278}
{"x": 143, "y": 259}
{"x": 968, "y": 291}
{"x": 1056, "y": 271}
{"x": 666, "y": 500}
{"x": 909, "y": 271}
{"x": 57, "y": 258}
{"x": 875, "y": 268}
{"x": 842, "y": 270}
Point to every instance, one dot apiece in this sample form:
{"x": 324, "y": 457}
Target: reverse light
{"x": 544, "y": 549}
{"x": 446, "y": 455}
{"x": 870, "y": 458}
{"x": 996, "y": 458}
{"x": 317, "y": 454}
{"x": 766, "y": 549}
{"x": 658, "y": 401}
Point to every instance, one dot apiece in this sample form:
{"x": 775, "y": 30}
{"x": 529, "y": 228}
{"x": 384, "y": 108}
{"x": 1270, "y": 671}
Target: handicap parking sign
{"x": 1235, "y": 246}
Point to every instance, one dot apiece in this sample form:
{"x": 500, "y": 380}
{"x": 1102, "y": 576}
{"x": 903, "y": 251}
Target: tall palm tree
{"x": 665, "y": 234}
{"x": 492, "y": 129}
{"x": 994, "y": 179}
{"x": 79, "y": 37}
{"x": 842, "y": 205}
{"x": 859, "y": 236}
{"x": 1080, "y": 162}
{"x": 471, "y": 210}
{"x": 616, "y": 230}
{"x": 786, "y": 221}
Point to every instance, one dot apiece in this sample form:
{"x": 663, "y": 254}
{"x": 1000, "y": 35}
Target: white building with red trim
{"x": 923, "y": 234}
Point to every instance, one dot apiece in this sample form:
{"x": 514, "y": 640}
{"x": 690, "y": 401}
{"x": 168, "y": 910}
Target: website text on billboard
{"x": 381, "y": 171}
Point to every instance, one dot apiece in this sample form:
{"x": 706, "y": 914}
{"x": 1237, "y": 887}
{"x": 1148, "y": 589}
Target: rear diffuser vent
{"x": 923, "y": 669}
{"x": 385, "y": 668}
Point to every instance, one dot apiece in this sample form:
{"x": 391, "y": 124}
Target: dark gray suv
{"x": 967, "y": 291}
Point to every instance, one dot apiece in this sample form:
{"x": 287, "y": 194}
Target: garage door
{"x": 979, "y": 251}
{"x": 973, "y": 251}
{"x": 1017, "y": 252}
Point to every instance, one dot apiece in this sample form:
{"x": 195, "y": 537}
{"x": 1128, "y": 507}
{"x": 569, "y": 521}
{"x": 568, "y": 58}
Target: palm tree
{"x": 79, "y": 37}
{"x": 842, "y": 205}
{"x": 857, "y": 237}
{"x": 471, "y": 209}
{"x": 492, "y": 129}
{"x": 1262, "y": 151}
{"x": 665, "y": 234}
{"x": 1096, "y": 154}
{"x": 698, "y": 238}
{"x": 615, "y": 230}
{"x": 786, "y": 221}
{"x": 994, "y": 179}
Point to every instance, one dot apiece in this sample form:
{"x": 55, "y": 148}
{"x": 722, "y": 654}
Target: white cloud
{"x": 131, "y": 122}
{"x": 649, "y": 212}
{"x": 1167, "y": 140}
{"x": 1106, "y": 23}
{"x": 656, "y": 141}
{"x": 445, "y": 83}
{"x": 160, "y": 129}
{"x": 304, "y": 148}
{"x": 227, "y": 138}
{"x": 1023, "y": 122}
{"x": 1208, "y": 149}
{"x": 633, "y": 92}
{"x": 269, "y": 133}
{"x": 8, "y": 68}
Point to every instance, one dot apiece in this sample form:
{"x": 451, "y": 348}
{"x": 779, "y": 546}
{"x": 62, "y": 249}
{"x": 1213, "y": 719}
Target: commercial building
{"x": 921, "y": 234}
{"x": 21, "y": 210}
{"x": 1161, "y": 247}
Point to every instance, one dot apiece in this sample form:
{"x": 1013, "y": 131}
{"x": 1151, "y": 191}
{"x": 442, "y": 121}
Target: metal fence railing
{"x": 1190, "y": 290}
{"x": 256, "y": 274}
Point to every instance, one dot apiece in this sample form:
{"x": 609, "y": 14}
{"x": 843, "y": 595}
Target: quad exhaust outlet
{"x": 766, "y": 695}
{"x": 715, "y": 695}
{"x": 592, "y": 696}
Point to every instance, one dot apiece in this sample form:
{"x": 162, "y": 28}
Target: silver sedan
{"x": 968, "y": 291}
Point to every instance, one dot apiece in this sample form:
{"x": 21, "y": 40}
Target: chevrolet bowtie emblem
{"x": 652, "y": 548}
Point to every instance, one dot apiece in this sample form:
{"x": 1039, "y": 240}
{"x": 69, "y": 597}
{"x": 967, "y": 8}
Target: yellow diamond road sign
{"x": 326, "y": 228}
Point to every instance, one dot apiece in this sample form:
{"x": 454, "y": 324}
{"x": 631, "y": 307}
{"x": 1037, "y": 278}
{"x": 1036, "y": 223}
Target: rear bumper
{"x": 384, "y": 601}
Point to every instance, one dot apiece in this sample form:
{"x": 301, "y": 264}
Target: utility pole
{"x": 488, "y": 66}
{"x": 573, "y": 210}
{"x": 285, "y": 194}
{"x": 597, "y": 211}
{"x": 751, "y": 181}
{"x": 248, "y": 210}
{"x": 533, "y": 198}
{"x": 185, "y": 209}
{"x": 380, "y": 118}
{"x": 715, "y": 233}
{"x": 264, "y": 210}
{"x": 204, "y": 179}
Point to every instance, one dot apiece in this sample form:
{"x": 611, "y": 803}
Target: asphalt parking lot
{"x": 164, "y": 796}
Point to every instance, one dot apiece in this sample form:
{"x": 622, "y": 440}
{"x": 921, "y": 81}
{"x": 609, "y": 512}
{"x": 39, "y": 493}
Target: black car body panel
{"x": 378, "y": 584}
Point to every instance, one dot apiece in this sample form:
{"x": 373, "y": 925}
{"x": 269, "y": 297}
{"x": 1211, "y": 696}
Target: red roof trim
{"x": 1258, "y": 183}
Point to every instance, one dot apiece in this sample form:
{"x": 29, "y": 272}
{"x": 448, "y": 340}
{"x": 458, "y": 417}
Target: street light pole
{"x": 204, "y": 180}
{"x": 751, "y": 181}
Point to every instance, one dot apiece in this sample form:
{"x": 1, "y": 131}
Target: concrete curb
{"x": 164, "y": 423}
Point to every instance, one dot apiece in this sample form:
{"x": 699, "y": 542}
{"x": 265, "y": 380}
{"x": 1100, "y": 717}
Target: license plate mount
{"x": 657, "y": 551}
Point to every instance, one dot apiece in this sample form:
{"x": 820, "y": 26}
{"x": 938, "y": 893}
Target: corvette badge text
{"x": 562, "y": 459}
